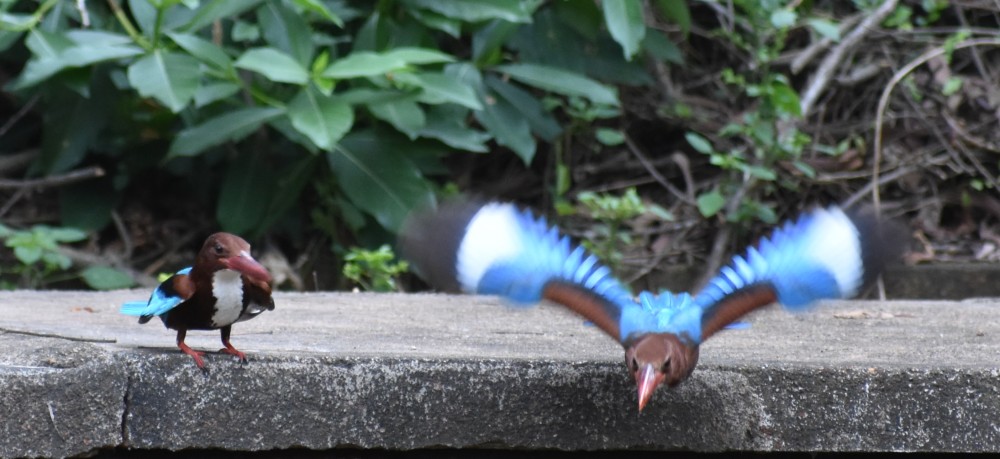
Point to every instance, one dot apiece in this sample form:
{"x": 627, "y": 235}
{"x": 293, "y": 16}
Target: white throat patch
{"x": 227, "y": 287}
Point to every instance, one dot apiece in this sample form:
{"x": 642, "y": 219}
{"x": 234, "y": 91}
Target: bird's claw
{"x": 233, "y": 352}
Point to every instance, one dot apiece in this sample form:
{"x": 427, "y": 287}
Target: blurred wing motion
{"x": 825, "y": 254}
{"x": 165, "y": 297}
{"x": 495, "y": 249}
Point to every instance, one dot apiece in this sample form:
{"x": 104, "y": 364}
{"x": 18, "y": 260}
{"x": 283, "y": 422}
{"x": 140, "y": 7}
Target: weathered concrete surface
{"x": 411, "y": 371}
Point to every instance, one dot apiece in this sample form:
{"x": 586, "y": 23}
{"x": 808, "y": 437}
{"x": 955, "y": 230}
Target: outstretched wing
{"x": 495, "y": 249}
{"x": 165, "y": 297}
{"x": 826, "y": 253}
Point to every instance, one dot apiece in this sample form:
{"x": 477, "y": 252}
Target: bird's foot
{"x": 196, "y": 356}
{"x": 229, "y": 349}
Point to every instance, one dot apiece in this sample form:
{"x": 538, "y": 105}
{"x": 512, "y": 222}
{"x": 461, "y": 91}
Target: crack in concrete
{"x": 126, "y": 402}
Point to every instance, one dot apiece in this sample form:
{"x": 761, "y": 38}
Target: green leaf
{"x": 66, "y": 234}
{"x": 487, "y": 42}
{"x": 54, "y": 53}
{"x": 243, "y": 196}
{"x": 828, "y": 29}
{"x": 419, "y": 56}
{"x": 288, "y": 189}
{"x": 404, "y": 114}
{"x": 364, "y": 64}
{"x": 699, "y": 143}
{"x": 203, "y": 50}
{"x": 609, "y": 137}
{"x": 106, "y": 278}
{"x": 951, "y": 86}
{"x": 374, "y": 173}
{"x": 479, "y": 10}
{"x": 273, "y": 64}
{"x": 783, "y": 18}
{"x": 230, "y": 126}
{"x": 662, "y": 48}
{"x": 320, "y": 9}
{"x": 144, "y": 14}
{"x": 626, "y": 23}
{"x": 760, "y": 172}
{"x": 432, "y": 20}
{"x": 561, "y": 82}
{"x": 214, "y": 10}
{"x": 245, "y": 32}
{"x": 710, "y": 203}
{"x": 442, "y": 88}
{"x": 785, "y": 99}
{"x": 28, "y": 255}
{"x": 508, "y": 127}
{"x": 447, "y": 124}
{"x": 541, "y": 121}
{"x": 213, "y": 92}
{"x": 72, "y": 124}
{"x": 676, "y": 11}
{"x": 285, "y": 29}
{"x": 170, "y": 78}
{"x": 323, "y": 119}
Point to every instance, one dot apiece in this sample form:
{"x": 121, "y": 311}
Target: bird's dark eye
{"x": 665, "y": 366}
{"x": 635, "y": 365}
{"x": 218, "y": 249}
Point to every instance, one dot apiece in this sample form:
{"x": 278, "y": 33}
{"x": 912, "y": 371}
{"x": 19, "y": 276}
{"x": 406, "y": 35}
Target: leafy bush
{"x": 249, "y": 102}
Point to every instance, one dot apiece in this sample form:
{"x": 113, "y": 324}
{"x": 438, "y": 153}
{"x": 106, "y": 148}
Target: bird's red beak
{"x": 647, "y": 379}
{"x": 249, "y": 267}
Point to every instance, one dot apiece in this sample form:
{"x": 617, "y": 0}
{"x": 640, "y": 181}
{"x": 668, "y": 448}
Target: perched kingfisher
{"x": 226, "y": 285}
{"x": 495, "y": 249}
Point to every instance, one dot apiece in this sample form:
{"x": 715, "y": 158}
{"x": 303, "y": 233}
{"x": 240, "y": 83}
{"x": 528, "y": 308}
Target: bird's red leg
{"x": 187, "y": 350}
{"x": 229, "y": 349}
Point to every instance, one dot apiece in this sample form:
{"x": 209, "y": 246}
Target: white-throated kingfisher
{"x": 494, "y": 248}
{"x": 226, "y": 285}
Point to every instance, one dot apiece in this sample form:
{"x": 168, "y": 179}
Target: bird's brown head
{"x": 228, "y": 251}
{"x": 657, "y": 358}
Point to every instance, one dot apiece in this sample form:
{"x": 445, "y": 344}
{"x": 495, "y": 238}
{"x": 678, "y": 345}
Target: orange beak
{"x": 247, "y": 266}
{"x": 647, "y": 379}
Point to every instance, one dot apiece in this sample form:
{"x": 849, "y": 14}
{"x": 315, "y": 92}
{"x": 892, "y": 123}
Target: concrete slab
{"x": 410, "y": 371}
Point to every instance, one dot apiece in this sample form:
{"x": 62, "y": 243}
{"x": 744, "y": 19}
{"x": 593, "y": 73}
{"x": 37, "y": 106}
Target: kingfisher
{"x": 494, "y": 248}
{"x": 224, "y": 286}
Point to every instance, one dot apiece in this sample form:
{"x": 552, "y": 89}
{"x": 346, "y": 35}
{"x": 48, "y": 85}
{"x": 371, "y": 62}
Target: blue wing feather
{"x": 160, "y": 302}
{"x": 545, "y": 255}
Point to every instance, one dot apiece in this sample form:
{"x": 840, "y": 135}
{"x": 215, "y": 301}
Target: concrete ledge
{"x": 411, "y": 371}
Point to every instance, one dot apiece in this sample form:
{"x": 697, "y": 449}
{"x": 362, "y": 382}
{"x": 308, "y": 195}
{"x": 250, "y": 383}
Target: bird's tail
{"x": 494, "y": 248}
{"x": 826, "y": 253}
{"x": 134, "y": 308}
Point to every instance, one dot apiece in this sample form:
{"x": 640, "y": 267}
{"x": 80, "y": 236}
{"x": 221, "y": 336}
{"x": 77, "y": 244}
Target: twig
{"x": 89, "y": 259}
{"x": 18, "y": 160}
{"x": 883, "y": 103}
{"x": 20, "y": 114}
{"x": 54, "y": 335}
{"x": 806, "y": 55}
{"x": 123, "y": 234}
{"x": 967, "y": 136}
{"x": 718, "y": 252}
{"x": 655, "y": 173}
{"x": 895, "y": 174}
{"x": 53, "y": 180}
{"x": 81, "y": 5}
{"x": 826, "y": 68}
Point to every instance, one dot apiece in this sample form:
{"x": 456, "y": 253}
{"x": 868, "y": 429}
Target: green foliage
{"x": 261, "y": 101}
{"x": 38, "y": 251}
{"x": 610, "y": 212}
{"x": 373, "y": 270}
{"x": 751, "y": 149}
